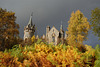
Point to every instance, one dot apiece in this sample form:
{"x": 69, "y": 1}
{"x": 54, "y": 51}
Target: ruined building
{"x": 52, "y": 35}
{"x": 55, "y": 36}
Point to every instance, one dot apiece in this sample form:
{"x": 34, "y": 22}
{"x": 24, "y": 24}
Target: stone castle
{"x": 29, "y": 30}
{"x": 52, "y": 35}
{"x": 55, "y": 36}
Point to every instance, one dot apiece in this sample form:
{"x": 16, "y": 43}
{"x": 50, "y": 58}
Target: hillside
{"x": 41, "y": 54}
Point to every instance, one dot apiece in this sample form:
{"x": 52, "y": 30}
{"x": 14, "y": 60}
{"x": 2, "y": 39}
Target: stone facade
{"x": 52, "y": 35}
{"x": 29, "y": 30}
{"x": 55, "y": 36}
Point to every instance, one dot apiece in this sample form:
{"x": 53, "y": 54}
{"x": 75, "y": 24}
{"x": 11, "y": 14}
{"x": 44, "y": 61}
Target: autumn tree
{"x": 95, "y": 21}
{"x": 77, "y": 29}
{"x": 8, "y": 29}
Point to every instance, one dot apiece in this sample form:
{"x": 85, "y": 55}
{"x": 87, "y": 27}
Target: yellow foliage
{"x": 33, "y": 38}
{"x": 77, "y": 29}
{"x": 65, "y": 57}
{"x": 90, "y": 50}
{"x": 42, "y": 55}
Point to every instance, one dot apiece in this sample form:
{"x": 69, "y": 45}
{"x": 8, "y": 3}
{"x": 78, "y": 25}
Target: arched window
{"x": 53, "y": 39}
{"x": 53, "y": 30}
{"x": 26, "y": 39}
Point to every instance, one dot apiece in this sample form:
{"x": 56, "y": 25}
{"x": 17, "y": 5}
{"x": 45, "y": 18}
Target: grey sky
{"x": 50, "y": 12}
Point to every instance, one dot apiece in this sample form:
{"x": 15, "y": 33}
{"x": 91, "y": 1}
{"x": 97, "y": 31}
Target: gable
{"x": 53, "y": 31}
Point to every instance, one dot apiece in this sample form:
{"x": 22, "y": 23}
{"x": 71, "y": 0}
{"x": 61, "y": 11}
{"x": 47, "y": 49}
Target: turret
{"x": 47, "y": 29}
{"x": 29, "y": 30}
{"x": 43, "y": 37}
{"x": 30, "y": 21}
{"x": 37, "y": 37}
{"x": 61, "y": 27}
{"x": 66, "y": 35}
{"x": 61, "y": 30}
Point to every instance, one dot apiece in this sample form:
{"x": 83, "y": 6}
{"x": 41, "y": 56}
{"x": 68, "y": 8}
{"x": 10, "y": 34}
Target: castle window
{"x": 53, "y": 30}
{"x": 53, "y": 39}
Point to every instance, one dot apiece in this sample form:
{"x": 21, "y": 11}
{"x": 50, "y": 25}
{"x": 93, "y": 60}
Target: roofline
{"x": 52, "y": 27}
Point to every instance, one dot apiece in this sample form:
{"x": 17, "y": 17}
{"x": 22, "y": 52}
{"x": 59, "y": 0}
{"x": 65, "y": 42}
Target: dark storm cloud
{"x": 49, "y": 12}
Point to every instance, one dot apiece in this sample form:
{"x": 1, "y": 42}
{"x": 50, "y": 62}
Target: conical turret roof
{"x": 30, "y": 21}
{"x": 61, "y": 27}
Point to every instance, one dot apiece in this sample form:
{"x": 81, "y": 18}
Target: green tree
{"x": 77, "y": 29}
{"x": 95, "y": 21}
{"x": 8, "y": 29}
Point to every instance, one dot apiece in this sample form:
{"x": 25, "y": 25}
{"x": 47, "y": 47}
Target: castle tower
{"x": 29, "y": 30}
{"x": 61, "y": 30}
{"x": 66, "y": 35}
{"x": 47, "y": 30}
{"x": 61, "y": 27}
{"x": 61, "y": 33}
{"x": 37, "y": 37}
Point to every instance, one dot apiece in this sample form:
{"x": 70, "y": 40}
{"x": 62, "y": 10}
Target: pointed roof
{"x": 61, "y": 27}
{"x": 54, "y": 27}
{"x": 30, "y": 21}
{"x": 37, "y": 37}
{"x": 43, "y": 37}
{"x": 48, "y": 26}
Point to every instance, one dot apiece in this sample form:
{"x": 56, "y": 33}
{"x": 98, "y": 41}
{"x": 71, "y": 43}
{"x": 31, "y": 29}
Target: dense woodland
{"x": 14, "y": 52}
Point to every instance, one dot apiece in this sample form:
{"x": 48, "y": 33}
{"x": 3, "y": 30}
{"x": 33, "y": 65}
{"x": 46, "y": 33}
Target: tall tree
{"x": 8, "y": 29}
{"x": 95, "y": 21}
{"x": 77, "y": 29}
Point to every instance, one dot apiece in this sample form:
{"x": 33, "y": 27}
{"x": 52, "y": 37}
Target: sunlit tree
{"x": 77, "y": 29}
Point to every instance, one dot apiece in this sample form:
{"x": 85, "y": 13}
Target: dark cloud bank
{"x": 50, "y": 12}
